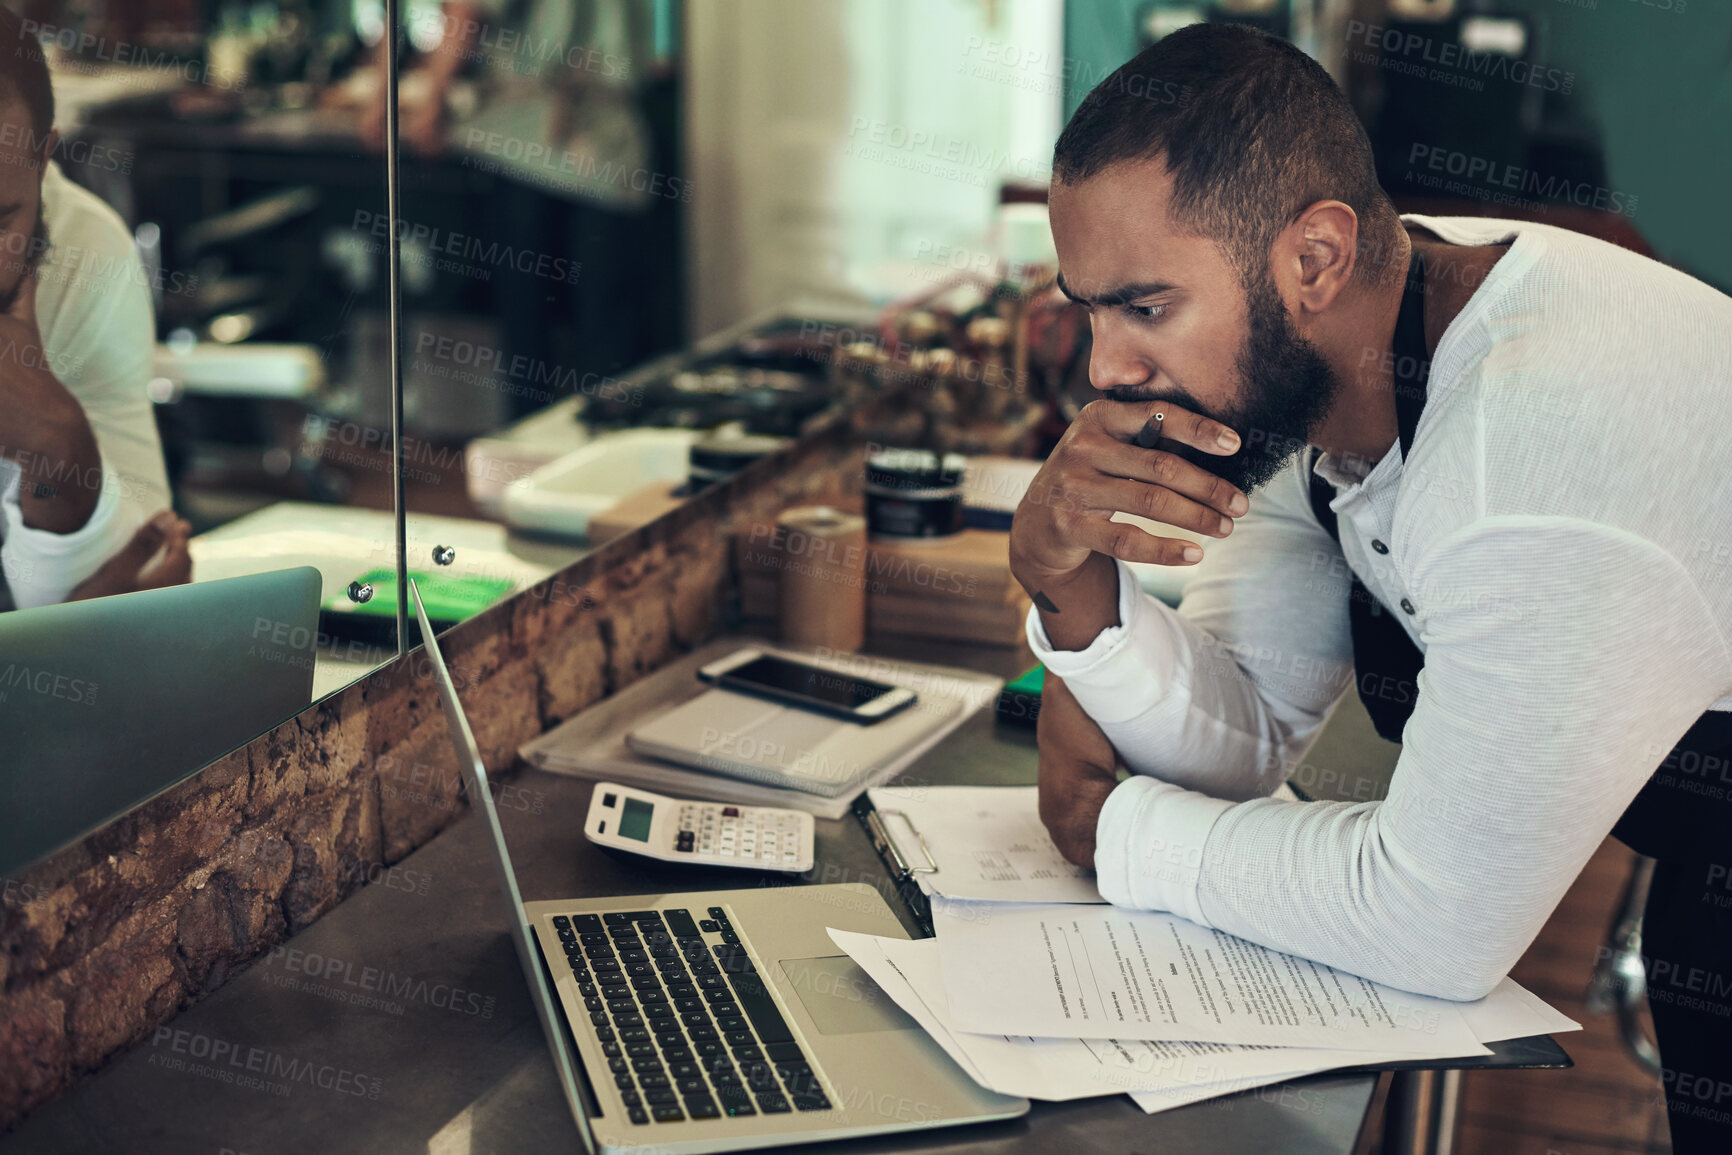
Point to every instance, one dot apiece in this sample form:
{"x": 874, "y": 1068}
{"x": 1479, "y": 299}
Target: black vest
{"x": 1683, "y": 813}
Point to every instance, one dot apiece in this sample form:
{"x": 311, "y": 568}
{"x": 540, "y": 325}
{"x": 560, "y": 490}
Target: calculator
{"x": 711, "y": 833}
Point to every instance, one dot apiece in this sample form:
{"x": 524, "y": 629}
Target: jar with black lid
{"x": 914, "y": 493}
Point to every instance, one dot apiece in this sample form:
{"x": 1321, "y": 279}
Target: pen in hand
{"x": 1149, "y": 436}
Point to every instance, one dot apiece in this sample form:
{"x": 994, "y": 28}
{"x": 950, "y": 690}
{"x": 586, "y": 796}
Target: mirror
{"x": 198, "y": 389}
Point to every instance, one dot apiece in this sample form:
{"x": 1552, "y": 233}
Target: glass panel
{"x": 190, "y": 262}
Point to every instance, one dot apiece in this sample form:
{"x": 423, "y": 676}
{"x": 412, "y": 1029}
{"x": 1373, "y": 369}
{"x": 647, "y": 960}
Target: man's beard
{"x": 1287, "y": 388}
{"x": 28, "y": 263}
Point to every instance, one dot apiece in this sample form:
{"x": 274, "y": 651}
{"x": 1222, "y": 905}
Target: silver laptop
{"x": 106, "y": 703}
{"x": 718, "y": 1020}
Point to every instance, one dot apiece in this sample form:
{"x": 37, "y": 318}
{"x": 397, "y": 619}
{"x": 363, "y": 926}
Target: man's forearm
{"x": 1075, "y": 609}
{"x": 43, "y": 428}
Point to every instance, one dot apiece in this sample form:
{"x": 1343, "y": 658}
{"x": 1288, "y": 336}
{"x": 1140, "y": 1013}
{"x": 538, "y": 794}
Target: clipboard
{"x": 896, "y": 860}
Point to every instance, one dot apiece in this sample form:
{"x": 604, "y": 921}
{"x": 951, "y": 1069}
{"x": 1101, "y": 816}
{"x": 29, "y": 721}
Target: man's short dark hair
{"x": 24, "y": 75}
{"x": 1253, "y": 132}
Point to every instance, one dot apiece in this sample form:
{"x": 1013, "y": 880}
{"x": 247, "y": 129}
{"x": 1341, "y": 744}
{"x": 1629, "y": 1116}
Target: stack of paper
{"x": 1063, "y": 1001}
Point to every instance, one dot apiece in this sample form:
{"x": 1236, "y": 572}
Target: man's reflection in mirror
{"x": 84, "y": 498}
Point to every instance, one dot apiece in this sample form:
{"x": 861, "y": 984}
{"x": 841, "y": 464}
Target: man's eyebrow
{"x": 1122, "y": 295}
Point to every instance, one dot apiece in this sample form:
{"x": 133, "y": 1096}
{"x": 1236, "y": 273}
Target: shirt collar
{"x": 1348, "y": 474}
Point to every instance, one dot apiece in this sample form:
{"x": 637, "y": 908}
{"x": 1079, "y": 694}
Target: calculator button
{"x": 730, "y": 812}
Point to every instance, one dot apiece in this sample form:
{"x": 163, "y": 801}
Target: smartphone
{"x": 806, "y": 685}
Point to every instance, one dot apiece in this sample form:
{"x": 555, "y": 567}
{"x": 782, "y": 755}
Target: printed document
{"x": 1100, "y": 972}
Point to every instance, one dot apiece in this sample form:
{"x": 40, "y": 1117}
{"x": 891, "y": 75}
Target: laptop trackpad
{"x": 841, "y": 998}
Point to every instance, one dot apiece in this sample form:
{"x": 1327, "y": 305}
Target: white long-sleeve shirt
{"x": 1563, "y": 536}
{"x": 93, "y": 310}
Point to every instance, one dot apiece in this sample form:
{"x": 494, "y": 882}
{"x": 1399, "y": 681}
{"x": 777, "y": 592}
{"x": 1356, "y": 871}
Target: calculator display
{"x": 634, "y": 819}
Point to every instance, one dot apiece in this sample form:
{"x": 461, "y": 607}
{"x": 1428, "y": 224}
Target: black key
{"x": 687, "y": 1070}
{"x": 632, "y": 955}
{"x": 798, "y": 1077}
{"x": 634, "y": 1035}
{"x": 684, "y": 847}
{"x": 676, "y": 1051}
{"x": 708, "y": 926}
{"x": 703, "y": 966}
{"x": 772, "y": 1103}
{"x": 712, "y": 982}
{"x": 687, "y": 1006}
{"x": 611, "y": 1050}
{"x": 605, "y": 1034}
{"x": 647, "y": 983}
{"x": 719, "y": 993}
{"x": 659, "y": 1011}
{"x": 618, "y": 1066}
{"x": 730, "y": 937}
{"x": 735, "y": 1102}
{"x": 587, "y": 989}
{"x": 661, "y": 1095}
{"x": 615, "y": 918}
{"x": 710, "y": 1047}
{"x": 645, "y": 916}
{"x": 628, "y": 1020}
{"x": 655, "y": 936}
{"x": 671, "y": 969}
{"x": 727, "y": 1078}
{"x": 598, "y": 1018}
{"x": 754, "y": 997}
{"x": 702, "y": 1107}
{"x": 680, "y": 922}
{"x": 736, "y": 1038}
{"x": 699, "y": 1034}
{"x": 637, "y": 1114}
{"x": 726, "y": 1010}
{"x": 646, "y": 1066}
{"x": 693, "y": 1086}
{"x": 630, "y": 1098}
{"x": 623, "y": 1082}
{"x": 667, "y": 952}
{"x": 667, "y": 1113}
{"x": 748, "y": 1055}
{"x": 695, "y": 1019}
{"x": 651, "y": 995}
{"x": 718, "y": 1062}
{"x": 630, "y": 969}
{"x": 640, "y": 1050}
{"x": 652, "y": 1081}
{"x": 759, "y": 1076}
{"x": 615, "y": 990}
{"x": 682, "y": 991}
{"x": 730, "y": 1025}
{"x": 813, "y": 1102}
{"x": 718, "y": 914}
{"x": 604, "y": 966}
{"x": 594, "y": 940}
{"x": 592, "y": 1004}
{"x": 561, "y": 923}
{"x": 586, "y": 923}
{"x": 618, "y": 1006}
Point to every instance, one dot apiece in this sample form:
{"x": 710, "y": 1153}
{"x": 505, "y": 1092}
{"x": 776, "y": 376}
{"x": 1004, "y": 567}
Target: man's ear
{"x": 48, "y": 147}
{"x": 1322, "y": 245}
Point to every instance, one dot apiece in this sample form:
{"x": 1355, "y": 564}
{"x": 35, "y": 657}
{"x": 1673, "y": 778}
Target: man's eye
{"x": 1146, "y": 312}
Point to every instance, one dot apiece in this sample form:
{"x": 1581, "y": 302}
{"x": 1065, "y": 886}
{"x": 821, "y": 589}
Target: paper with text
{"x": 1103, "y": 972}
{"x": 987, "y": 842}
{"x": 1059, "y": 1069}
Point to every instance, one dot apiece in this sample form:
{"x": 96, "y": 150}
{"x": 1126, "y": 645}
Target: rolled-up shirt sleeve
{"x": 42, "y": 568}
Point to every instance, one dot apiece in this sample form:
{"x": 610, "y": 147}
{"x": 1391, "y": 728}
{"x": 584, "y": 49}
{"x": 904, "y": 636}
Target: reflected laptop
{"x": 718, "y": 1020}
{"x": 106, "y": 703}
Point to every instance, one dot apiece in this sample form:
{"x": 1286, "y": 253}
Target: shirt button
{"x": 1407, "y": 606}
{"x": 1379, "y": 546}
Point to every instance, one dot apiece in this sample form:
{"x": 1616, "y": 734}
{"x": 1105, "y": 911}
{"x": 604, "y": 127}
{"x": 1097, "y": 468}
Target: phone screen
{"x": 827, "y": 686}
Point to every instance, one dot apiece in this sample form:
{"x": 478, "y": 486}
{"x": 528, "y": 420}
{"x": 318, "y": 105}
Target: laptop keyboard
{"x": 690, "y": 1030}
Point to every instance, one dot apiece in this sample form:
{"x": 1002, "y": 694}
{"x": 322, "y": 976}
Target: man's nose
{"x": 1115, "y": 361}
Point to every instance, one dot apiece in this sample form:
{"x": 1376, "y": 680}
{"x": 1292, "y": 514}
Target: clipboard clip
{"x": 885, "y": 844}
